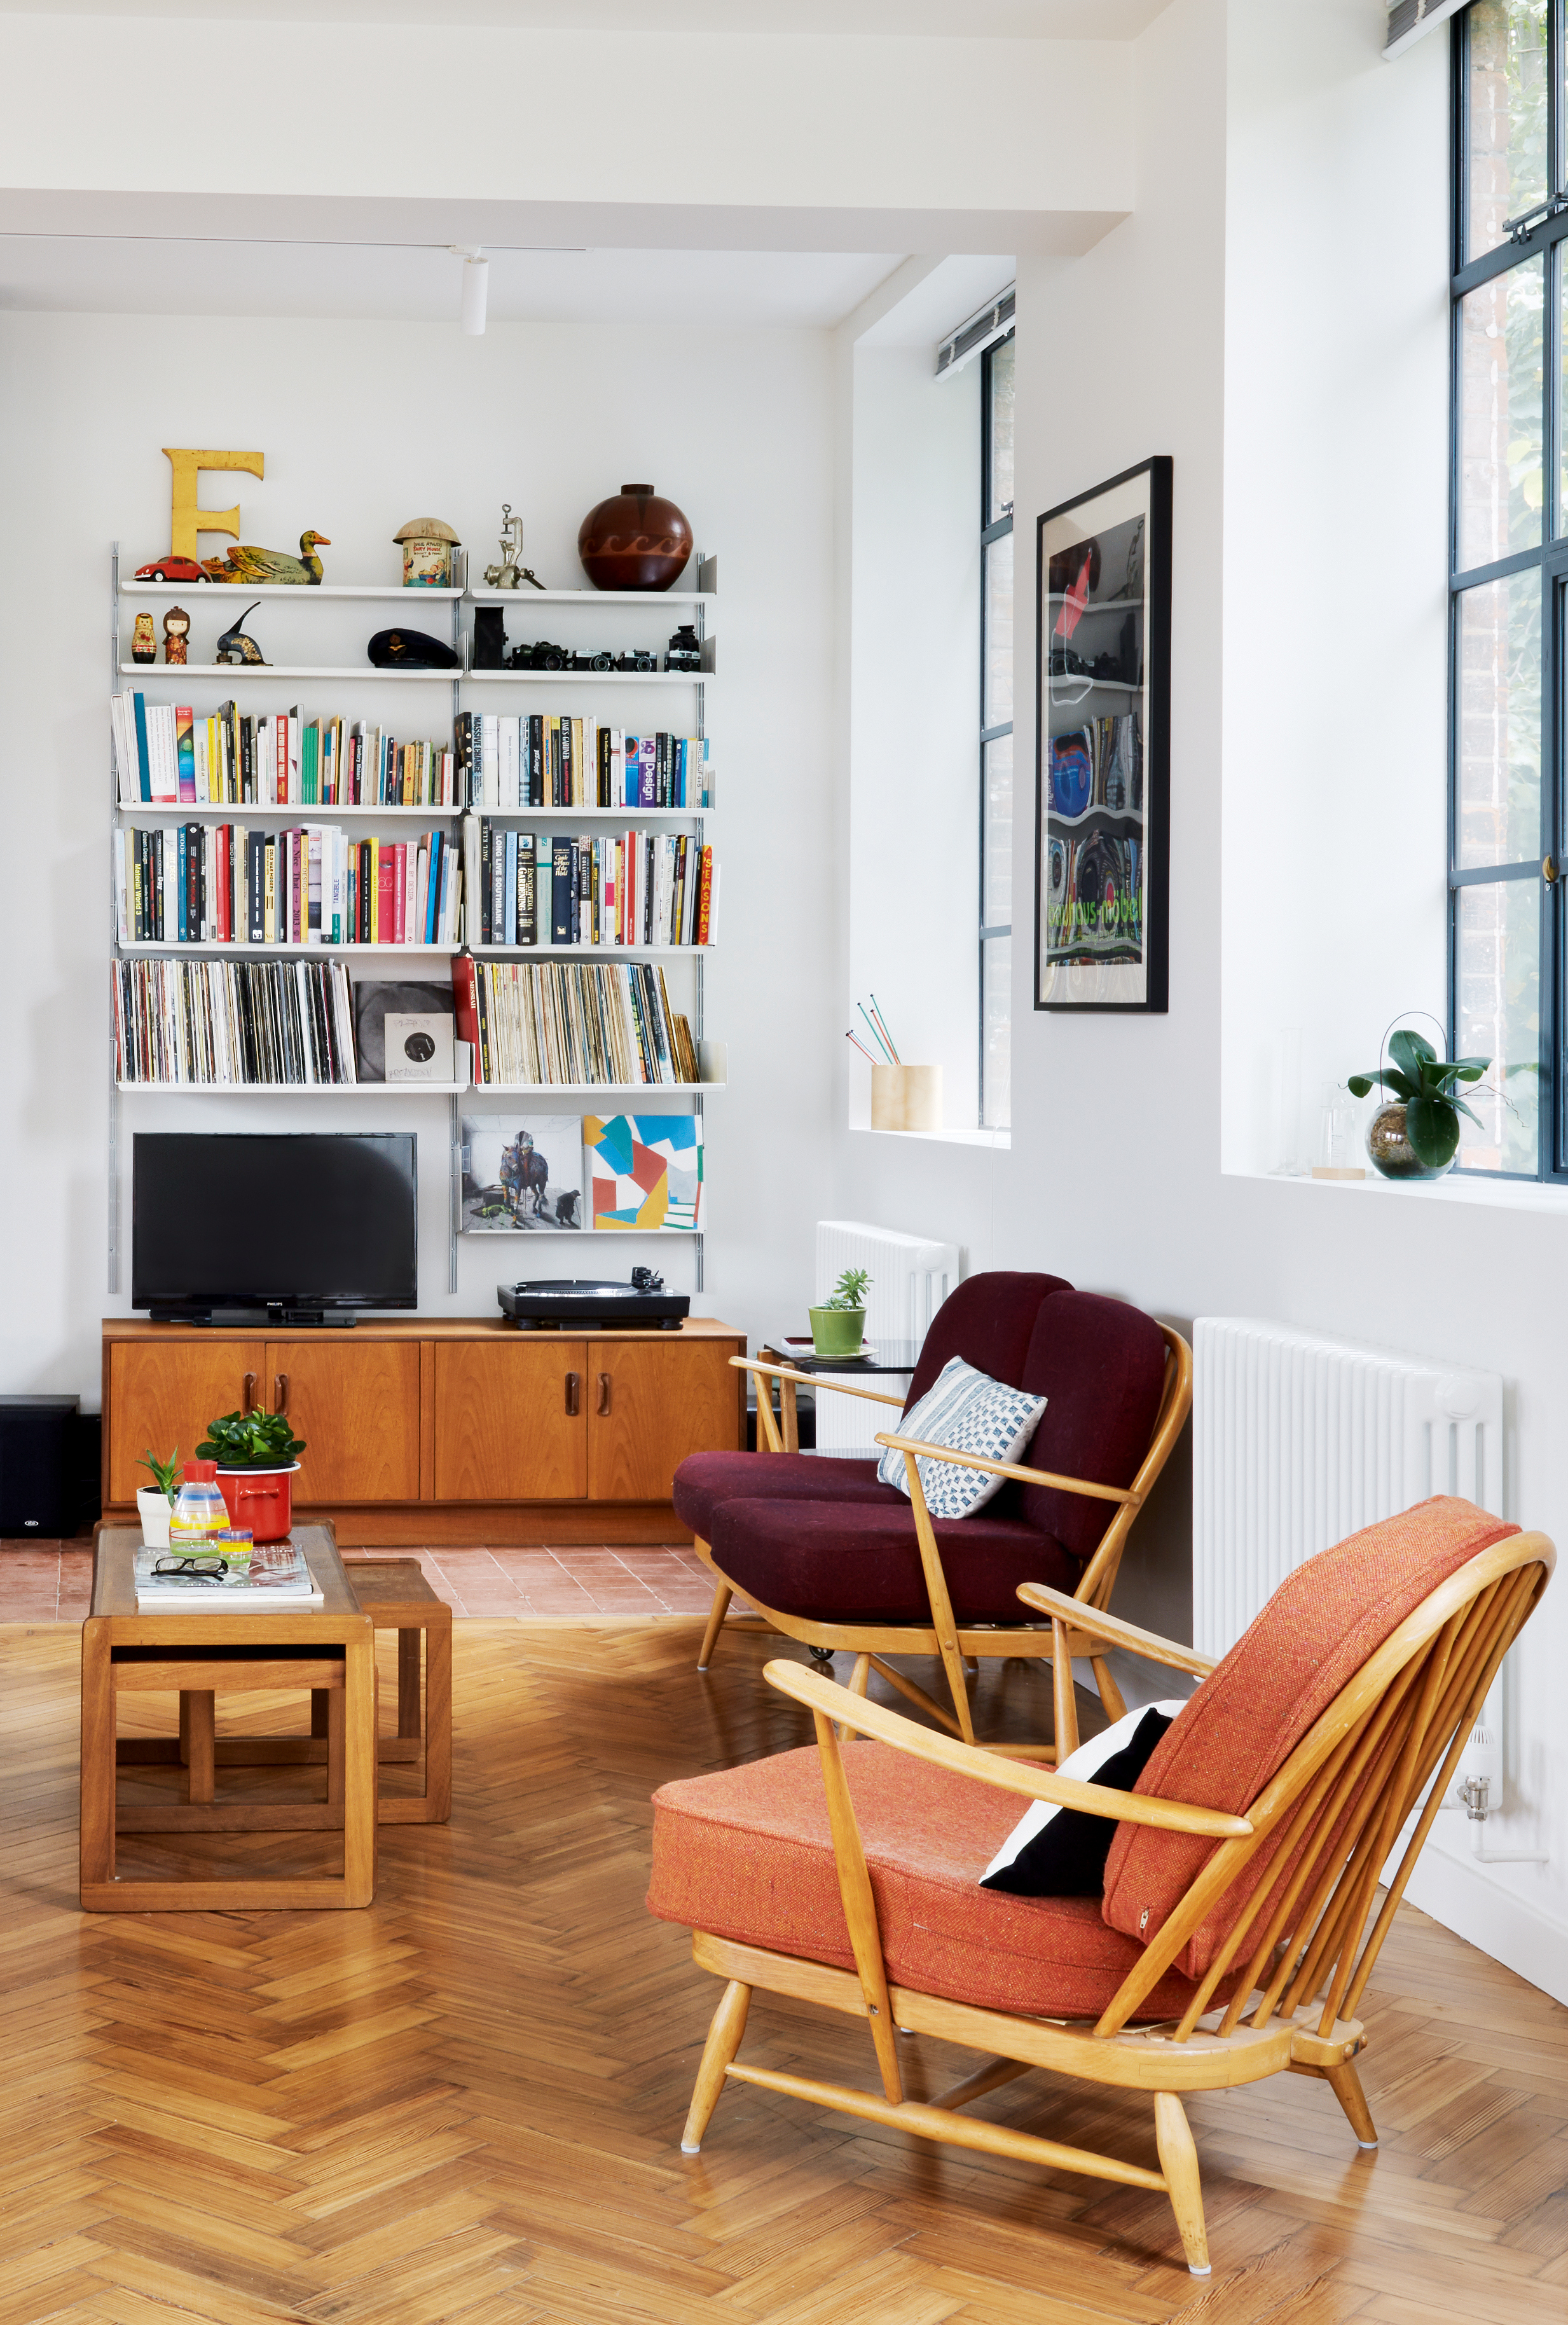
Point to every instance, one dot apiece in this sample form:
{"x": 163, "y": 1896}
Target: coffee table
{"x": 327, "y": 1650}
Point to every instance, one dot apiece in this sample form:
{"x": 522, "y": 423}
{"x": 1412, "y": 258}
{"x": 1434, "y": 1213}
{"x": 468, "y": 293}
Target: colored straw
{"x": 876, "y": 1005}
{"x": 876, "y": 1035}
{"x": 861, "y": 1047}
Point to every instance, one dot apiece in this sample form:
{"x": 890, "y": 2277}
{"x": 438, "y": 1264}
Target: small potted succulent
{"x": 1415, "y": 1135}
{"x": 155, "y": 1503}
{"x": 838, "y": 1325}
{"x": 256, "y": 1455}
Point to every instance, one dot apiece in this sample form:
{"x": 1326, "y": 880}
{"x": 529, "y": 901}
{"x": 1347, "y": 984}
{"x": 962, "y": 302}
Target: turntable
{"x": 552, "y": 1305}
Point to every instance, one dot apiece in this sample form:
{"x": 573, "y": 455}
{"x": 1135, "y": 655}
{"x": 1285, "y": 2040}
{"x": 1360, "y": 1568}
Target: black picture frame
{"x": 1103, "y": 744}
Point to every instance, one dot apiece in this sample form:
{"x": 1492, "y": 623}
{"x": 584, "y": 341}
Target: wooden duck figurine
{"x": 260, "y": 567}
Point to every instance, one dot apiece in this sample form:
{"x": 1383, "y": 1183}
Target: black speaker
{"x": 37, "y": 1453}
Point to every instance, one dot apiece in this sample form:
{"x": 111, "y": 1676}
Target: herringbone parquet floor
{"x": 466, "y": 2103}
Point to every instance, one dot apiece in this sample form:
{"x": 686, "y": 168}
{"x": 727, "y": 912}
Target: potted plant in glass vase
{"x": 838, "y": 1325}
{"x": 1415, "y": 1135}
{"x": 256, "y": 1456}
{"x": 155, "y": 1503}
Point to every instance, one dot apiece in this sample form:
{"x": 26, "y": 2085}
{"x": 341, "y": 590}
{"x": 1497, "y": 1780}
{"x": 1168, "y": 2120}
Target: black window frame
{"x": 1541, "y": 232}
{"x": 989, "y": 533}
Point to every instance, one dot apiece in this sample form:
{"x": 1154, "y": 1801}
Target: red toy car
{"x": 172, "y": 569}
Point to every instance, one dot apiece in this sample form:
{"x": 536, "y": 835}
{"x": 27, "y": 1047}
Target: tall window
{"x": 1510, "y": 563}
{"x": 996, "y": 419}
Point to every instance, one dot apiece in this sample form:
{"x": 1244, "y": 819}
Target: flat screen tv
{"x": 290, "y": 1226}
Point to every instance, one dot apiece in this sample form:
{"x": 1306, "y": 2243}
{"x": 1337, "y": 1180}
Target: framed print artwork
{"x": 523, "y": 1174}
{"x": 1102, "y": 746}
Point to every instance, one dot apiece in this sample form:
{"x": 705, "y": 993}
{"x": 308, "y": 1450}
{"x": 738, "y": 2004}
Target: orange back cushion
{"x": 1249, "y": 1714}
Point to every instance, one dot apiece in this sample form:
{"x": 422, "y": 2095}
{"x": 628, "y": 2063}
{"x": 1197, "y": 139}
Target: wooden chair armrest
{"x": 1114, "y": 1632}
{"x": 836, "y": 1702}
{"x": 1007, "y": 1469}
{"x": 813, "y": 1380}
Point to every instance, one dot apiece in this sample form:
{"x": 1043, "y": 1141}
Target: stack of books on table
{"x": 270, "y": 1577}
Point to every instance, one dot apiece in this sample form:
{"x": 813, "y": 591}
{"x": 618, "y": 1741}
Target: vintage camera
{"x": 638, "y": 659}
{"x": 683, "y": 652}
{"x": 603, "y": 661}
{"x": 541, "y": 655}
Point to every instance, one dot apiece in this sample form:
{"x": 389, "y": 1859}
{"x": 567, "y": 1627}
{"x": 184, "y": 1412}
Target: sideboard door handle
{"x": 604, "y": 1393}
{"x": 248, "y": 1393}
{"x": 573, "y": 1382}
{"x": 280, "y": 1392}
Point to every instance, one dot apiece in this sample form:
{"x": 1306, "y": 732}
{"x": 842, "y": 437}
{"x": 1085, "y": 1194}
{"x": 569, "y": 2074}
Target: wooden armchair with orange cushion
{"x": 831, "y": 1556}
{"x": 1236, "y": 1930}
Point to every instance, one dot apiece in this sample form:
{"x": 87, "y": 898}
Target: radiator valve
{"x": 1474, "y": 1791}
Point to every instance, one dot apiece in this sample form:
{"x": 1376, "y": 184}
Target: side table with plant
{"x": 838, "y": 1325}
{"x": 257, "y": 1454}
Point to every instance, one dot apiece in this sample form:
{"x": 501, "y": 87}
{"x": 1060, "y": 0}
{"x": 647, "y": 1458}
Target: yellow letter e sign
{"x": 187, "y": 519}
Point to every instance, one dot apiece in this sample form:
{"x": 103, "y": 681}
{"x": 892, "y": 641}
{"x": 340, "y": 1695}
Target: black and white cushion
{"x": 969, "y": 1411}
{"x": 1056, "y": 1852}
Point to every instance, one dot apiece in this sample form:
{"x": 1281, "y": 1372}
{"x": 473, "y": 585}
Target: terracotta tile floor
{"x": 51, "y": 1582}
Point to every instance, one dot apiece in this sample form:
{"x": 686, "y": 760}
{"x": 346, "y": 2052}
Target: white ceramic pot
{"x": 154, "y": 1510}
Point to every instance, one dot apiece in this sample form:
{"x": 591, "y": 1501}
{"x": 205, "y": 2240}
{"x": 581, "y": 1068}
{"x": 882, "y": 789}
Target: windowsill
{"x": 1490, "y": 1194}
{"x": 1000, "y": 1139}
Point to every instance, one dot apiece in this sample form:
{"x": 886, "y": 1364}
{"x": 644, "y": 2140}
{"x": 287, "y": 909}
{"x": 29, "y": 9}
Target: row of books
{"x": 226, "y": 1022}
{"x": 165, "y": 756}
{"x": 589, "y": 1022}
{"x": 312, "y": 884}
{"x": 541, "y": 761}
{"x": 620, "y": 888}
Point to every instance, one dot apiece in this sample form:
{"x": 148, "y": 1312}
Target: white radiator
{"x": 910, "y": 1278}
{"x": 1299, "y": 1440}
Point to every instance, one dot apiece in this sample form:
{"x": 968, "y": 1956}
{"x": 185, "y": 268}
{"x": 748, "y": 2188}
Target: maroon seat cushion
{"x": 850, "y": 1561}
{"x": 1100, "y": 1365}
{"x": 747, "y": 1854}
{"x": 988, "y": 1321}
{"x": 704, "y": 1480}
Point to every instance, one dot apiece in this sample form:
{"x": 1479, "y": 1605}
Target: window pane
{"x": 996, "y": 891}
{"x": 1499, "y": 442}
{"x": 1000, "y": 424}
{"x": 1500, "y": 722}
{"x": 1497, "y": 1015}
{"x": 1507, "y": 58}
{"x": 999, "y": 631}
{"x": 995, "y": 1022}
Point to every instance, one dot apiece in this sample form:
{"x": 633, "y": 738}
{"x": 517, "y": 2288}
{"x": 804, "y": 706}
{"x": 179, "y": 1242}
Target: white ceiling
{"x": 135, "y": 275}
{"x": 1000, "y": 20}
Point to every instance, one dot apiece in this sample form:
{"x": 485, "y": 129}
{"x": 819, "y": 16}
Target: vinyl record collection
{"x": 624, "y": 888}
{"x": 227, "y": 1023}
{"x": 592, "y": 1024}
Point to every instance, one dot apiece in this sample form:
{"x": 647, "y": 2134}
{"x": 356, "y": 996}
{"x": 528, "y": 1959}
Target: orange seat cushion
{"x": 1325, "y": 1621}
{"x": 748, "y": 1854}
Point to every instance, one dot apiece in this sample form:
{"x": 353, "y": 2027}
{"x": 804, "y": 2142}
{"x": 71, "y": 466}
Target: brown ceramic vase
{"x": 634, "y": 541}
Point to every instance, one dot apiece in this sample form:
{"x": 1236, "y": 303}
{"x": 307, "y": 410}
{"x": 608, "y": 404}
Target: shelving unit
{"x": 204, "y": 597}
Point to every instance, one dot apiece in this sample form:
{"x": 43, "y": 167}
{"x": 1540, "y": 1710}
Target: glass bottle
{"x": 200, "y": 1510}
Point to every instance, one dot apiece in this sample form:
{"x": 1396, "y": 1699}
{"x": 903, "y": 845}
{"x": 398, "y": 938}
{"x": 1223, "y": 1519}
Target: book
{"x": 270, "y": 1574}
{"x": 612, "y": 888}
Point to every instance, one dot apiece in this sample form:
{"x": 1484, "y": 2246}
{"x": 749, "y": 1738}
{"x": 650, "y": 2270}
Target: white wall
{"x": 363, "y": 426}
{"x": 1272, "y": 368}
{"x": 914, "y": 710}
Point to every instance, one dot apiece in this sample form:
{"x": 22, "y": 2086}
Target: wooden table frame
{"x": 199, "y": 1657}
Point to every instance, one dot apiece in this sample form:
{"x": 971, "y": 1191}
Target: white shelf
{"x": 175, "y": 671}
{"x": 316, "y": 809}
{"x": 292, "y": 589}
{"x": 631, "y": 815}
{"x": 585, "y": 677}
{"x": 402, "y": 951}
{"x": 295, "y": 1090}
{"x": 584, "y": 952}
{"x": 651, "y": 598}
{"x": 594, "y": 1089}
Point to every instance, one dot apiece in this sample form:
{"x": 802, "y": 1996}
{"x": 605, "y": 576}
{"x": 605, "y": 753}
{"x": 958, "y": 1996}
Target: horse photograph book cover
{"x": 522, "y": 1173}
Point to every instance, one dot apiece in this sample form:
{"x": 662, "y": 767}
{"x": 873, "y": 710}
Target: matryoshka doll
{"x": 143, "y": 640}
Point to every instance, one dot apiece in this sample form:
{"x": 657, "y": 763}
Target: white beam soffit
{"x": 1410, "y": 20}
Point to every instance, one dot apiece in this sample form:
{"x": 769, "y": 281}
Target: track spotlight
{"x": 475, "y": 286}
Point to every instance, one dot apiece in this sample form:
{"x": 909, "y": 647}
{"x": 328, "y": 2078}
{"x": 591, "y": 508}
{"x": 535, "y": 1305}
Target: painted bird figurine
{"x": 258, "y": 567}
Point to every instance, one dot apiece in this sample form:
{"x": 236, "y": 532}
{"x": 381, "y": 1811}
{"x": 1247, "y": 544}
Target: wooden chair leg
{"x": 1111, "y": 1695}
{"x": 717, "y": 1612}
{"x": 1178, "y": 2160}
{"x": 729, "y": 2023}
{"x": 860, "y": 1676}
{"x": 1346, "y": 2085}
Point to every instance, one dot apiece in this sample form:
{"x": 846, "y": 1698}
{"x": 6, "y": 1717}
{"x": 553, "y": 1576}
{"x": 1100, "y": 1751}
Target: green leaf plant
{"x": 165, "y": 1473}
{"x": 850, "y": 1291}
{"x": 1428, "y": 1087}
{"x": 250, "y": 1440}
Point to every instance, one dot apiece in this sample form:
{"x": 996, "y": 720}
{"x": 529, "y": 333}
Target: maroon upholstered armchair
{"x": 831, "y": 1557}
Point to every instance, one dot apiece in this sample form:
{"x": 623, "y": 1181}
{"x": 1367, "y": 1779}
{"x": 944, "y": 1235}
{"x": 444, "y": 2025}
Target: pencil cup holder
{"x": 906, "y": 1097}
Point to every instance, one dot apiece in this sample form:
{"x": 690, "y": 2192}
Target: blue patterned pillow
{"x": 972, "y": 1413}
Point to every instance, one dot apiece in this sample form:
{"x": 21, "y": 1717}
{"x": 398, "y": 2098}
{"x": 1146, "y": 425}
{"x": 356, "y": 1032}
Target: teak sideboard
{"x": 433, "y": 1430}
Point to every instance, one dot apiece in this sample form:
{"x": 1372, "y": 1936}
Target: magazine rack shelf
{"x": 206, "y": 598}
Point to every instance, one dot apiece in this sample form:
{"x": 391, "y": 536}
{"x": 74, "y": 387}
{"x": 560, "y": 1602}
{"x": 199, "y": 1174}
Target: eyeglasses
{"x": 218, "y": 1567}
